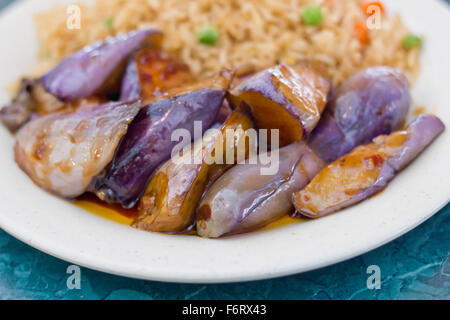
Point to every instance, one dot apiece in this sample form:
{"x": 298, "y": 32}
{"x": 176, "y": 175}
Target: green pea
{"x": 312, "y": 16}
{"x": 411, "y": 41}
{"x": 208, "y": 35}
{"x": 109, "y": 22}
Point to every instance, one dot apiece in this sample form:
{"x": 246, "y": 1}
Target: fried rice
{"x": 260, "y": 32}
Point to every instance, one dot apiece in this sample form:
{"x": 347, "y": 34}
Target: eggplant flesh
{"x": 152, "y": 72}
{"x": 366, "y": 170}
{"x": 173, "y": 192}
{"x": 287, "y": 98}
{"x": 62, "y": 152}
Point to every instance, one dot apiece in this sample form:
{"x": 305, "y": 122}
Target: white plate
{"x": 65, "y": 231}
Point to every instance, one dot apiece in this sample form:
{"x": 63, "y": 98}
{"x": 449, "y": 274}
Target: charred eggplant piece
{"x": 62, "y": 152}
{"x": 370, "y": 103}
{"x": 152, "y": 72}
{"x": 98, "y": 68}
{"x": 366, "y": 170}
{"x": 148, "y": 142}
{"x": 290, "y": 99}
{"x": 169, "y": 203}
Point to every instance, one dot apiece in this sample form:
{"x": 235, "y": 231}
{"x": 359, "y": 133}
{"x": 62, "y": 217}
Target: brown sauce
{"x": 115, "y": 212}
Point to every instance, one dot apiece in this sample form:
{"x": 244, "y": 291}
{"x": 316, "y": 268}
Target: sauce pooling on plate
{"x": 115, "y": 212}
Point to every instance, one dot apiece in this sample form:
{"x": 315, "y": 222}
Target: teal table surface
{"x": 415, "y": 266}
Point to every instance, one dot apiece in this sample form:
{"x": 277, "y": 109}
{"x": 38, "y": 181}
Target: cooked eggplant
{"x": 370, "y": 103}
{"x": 152, "y": 72}
{"x": 148, "y": 142}
{"x": 234, "y": 196}
{"x": 63, "y": 151}
{"x": 224, "y": 112}
{"x": 31, "y": 99}
{"x": 366, "y": 170}
{"x": 236, "y": 147}
{"x": 392, "y": 109}
{"x": 169, "y": 203}
{"x": 290, "y": 99}
{"x": 279, "y": 204}
{"x": 98, "y": 68}
{"x": 19, "y": 111}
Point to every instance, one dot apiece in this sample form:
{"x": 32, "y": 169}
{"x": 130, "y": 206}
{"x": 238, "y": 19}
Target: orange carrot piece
{"x": 361, "y": 32}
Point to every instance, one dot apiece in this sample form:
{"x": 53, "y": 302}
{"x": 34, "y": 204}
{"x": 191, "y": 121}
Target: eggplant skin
{"x": 241, "y": 190}
{"x": 19, "y": 111}
{"x": 279, "y": 204}
{"x": 366, "y": 170}
{"x": 148, "y": 142}
{"x": 370, "y": 103}
{"x": 288, "y": 98}
{"x": 31, "y": 100}
{"x": 97, "y": 68}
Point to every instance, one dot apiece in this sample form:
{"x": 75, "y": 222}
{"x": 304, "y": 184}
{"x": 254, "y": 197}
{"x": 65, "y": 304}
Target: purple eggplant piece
{"x": 230, "y": 201}
{"x": 279, "y": 204}
{"x": 130, "y": 83}
{"x": 370, "y": 103}
{"x": 421, "y": 133}
{"x": 31, "y": 101}
{"x": 148, "y": 142}
{"x": 224, "y": 112}
{"x": 19, "y": 111}
{"x": 366, "y": 170}
{"x": 97, "y": 68}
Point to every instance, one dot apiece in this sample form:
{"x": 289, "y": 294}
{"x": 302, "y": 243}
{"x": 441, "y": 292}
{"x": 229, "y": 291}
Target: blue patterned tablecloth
{"x": 415, "y": 266}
